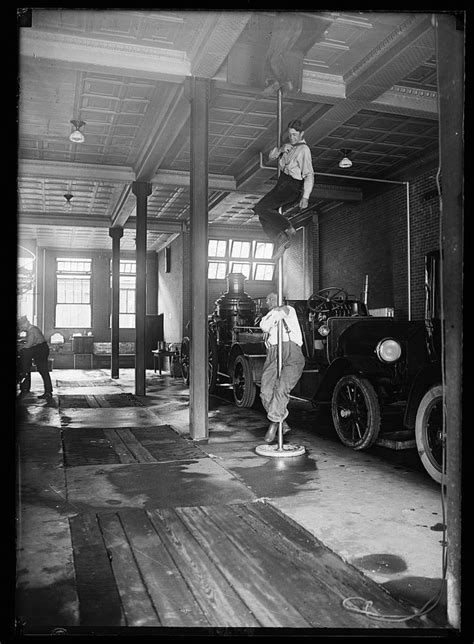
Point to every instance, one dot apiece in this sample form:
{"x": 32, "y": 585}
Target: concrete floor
{"x": 377, "y": 509}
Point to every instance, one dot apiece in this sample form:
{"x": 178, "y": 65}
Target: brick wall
{"x": 370, "y": 238}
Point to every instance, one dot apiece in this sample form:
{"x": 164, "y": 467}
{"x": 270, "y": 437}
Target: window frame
{"x": 73, "y": 273}
{"x": 231, "y": 258}
{"x": 122, "y": 290}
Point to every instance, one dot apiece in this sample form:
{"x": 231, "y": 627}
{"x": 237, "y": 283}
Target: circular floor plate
{"x": 287, "y": 450}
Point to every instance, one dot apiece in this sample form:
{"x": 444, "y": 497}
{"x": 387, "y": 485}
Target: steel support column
{"x": 199, "y": 376}
{"x": 116, "y": 234}
{"x": 141, "y": 190}
{"x": 450, "y": 59}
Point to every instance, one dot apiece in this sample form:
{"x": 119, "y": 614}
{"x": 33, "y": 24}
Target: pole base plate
{"x": 288, "y": 450}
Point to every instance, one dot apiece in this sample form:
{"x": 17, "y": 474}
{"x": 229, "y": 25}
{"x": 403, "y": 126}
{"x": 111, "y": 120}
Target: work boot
{"x": 46, "y": 396}
{"x": 271, "y": 433}
{"x": 281, "y": 244}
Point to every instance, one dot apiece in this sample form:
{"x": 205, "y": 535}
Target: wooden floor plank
{"x": 99, "y": 600}
{"x": 91, "y": 400}
{"x": 141, "y": 454}
{"x": 219, "y": 601}
{"x": 269, "y": 606}
{"x": 102, "y": 401}
{"x": 137, "y": 606}
{"x": 308, "y": 553}
{"x": 125, "y": 456}
{"x": 314, "y": 601}
{"x": 171, "y": 596}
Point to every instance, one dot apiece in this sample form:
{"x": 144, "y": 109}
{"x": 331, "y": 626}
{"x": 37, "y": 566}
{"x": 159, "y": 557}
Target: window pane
{"x": 240, "y": 268}
{"x": 127, "y": 321}
{"x": 264, "y": 271}
{"x": 217, "y": 248}
{"x": 73, "y": 315}
{"x": 240, "y": 249}
{"x": 263, "y": 250}
{"x": 70, "y": 265}
{"x": 72, "y": 290}
{"x": 217, "y": 270}
{"x": 128, "y": 266}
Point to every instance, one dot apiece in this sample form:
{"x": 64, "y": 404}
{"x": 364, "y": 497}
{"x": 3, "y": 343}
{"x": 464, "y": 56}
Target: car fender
{"x": 426, "y": 377}
{"x": 364, "y": 366}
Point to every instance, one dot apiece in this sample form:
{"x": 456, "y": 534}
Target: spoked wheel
{"x": 213, "y": 361}
{"x": 429, "y": 432}
{"x": 327, "y": 299}
{"x": 355, "y": 412}
{"x": 243, "y": 384}
{"x": 185, "y": 360}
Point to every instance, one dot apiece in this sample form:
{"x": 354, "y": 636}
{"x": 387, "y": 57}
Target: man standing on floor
{"x": 294, "y": 184}
{"x": 35, "y": 347}
{"x": 275, "y": 389}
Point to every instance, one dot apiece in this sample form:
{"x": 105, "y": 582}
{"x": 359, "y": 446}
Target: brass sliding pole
{"x": 280, "y": 272}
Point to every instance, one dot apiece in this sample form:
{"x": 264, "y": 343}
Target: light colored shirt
{"x": 292, "y": 331}
{"x": 297, "y": 163}
{"x": 33, "y": 337}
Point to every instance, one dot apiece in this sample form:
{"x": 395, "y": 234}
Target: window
{"x": 224, "y": 255}
{"x": 128, "y": 270}
{"x": 73, "y": 293}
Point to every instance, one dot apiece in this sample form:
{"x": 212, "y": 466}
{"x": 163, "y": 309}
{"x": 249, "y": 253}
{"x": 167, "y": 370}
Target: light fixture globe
{"x": 76, "y": 135}
{"x": 68, "y": 205}
{"x": 345, "y": 162}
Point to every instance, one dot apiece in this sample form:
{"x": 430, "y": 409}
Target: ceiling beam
{"x": 105, "y": 55}
{"x": 61, "y": 170}
{"x": 217, "y": 38}
{"x": 395, "y": 57}
{"x": 182, "y": 178}
{"x": 86, "y": 221}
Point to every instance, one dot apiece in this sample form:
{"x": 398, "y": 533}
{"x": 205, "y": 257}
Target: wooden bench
{"x": 102, "y": 354}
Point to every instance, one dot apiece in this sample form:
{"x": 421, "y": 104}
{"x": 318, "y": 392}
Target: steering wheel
{"x": 327, "y": 299}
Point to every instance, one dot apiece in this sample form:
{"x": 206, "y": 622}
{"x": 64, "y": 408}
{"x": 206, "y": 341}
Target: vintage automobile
{"x": 358, "y": 364}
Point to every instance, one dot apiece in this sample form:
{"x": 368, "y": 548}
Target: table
{"x": 159, "y": 354}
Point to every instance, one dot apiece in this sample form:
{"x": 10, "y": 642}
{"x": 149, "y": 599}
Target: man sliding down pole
{"x": 278, "y": 380}
{"x": 295, "y": 183}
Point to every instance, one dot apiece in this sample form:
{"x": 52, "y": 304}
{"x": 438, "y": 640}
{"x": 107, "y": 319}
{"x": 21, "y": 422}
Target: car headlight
{"x": 388, "y": 350}
{"x": 323, "y": 330}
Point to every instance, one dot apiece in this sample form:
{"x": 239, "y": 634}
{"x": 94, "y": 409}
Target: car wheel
{"x": 213, "y": 361}
{"x": 429, "y": 432}
{"x": 243, "y": 384}
{"x": 184, "y": 356}
{"x": 185, "y": 360}
{"x": 355, "y": 412}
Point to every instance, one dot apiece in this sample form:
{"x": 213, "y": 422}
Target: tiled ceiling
{"x": 365, "y": 81}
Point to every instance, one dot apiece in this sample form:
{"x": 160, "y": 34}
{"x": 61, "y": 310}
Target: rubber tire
{"x": 432, "y": 398}
{"x": 245, "y": 395}
{"x": 372, "y": 407}
{"x": 184, "y": 358}
{"x": 213, "y": 361}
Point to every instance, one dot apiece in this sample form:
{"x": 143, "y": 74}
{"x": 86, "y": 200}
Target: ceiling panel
{"x": 137, "y": 122}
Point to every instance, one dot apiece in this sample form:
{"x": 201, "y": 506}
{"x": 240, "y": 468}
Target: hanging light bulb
{"x": 345, "y": 162}
{"x": 76, "y": 135}
{"x": 68, "y": 205}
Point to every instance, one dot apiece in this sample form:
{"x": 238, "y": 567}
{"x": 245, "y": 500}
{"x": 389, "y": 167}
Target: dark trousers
{"x": 39, "y": 353}
{"x": 287, "y": 191}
